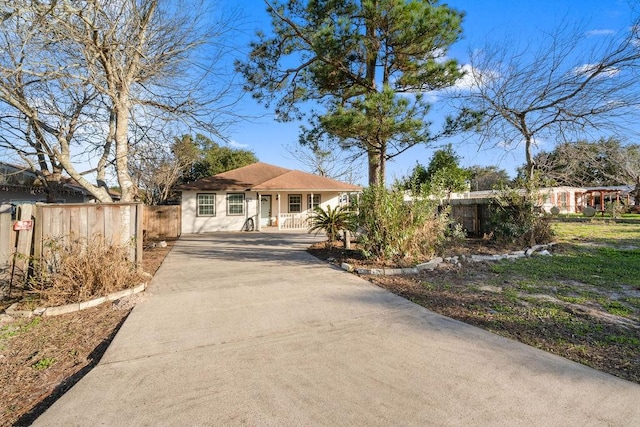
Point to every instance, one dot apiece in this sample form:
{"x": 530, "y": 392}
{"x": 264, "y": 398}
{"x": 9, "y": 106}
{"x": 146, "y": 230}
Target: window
{"x": 316, "y": 201}
{"x": 562, "y": 200}
{"x": 235, "y": 204}
{"x": 295, "y": 203}
{"x": 206, "y": 205}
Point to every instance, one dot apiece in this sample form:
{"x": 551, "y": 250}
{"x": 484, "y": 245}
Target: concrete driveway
{"x": 248, "y": 329}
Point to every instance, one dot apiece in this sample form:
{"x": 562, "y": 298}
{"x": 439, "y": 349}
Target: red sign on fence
{"x": 23, "y": 225}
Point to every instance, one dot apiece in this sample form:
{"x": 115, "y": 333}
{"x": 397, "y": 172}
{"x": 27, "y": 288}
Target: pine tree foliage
{"x": 349, "y": 65}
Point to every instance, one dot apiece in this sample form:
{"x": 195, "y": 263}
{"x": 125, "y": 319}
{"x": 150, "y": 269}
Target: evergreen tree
{"x": 350, "y": 60}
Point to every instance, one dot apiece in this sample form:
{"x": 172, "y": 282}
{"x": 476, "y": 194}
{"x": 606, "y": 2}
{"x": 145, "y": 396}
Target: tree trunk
{"x": 53, "y": 186}
{"x": 127, "y": 188}
{"x": 374, "y": 168}
{"x": 377, "y": 165}
{"x": 531, "y": 165}
{"x": 101, "y": 194}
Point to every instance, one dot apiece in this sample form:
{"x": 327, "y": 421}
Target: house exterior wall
{"x": 192, "y": 223}
{"x": 564, "y": 198}
{"x": 18, "y": 185}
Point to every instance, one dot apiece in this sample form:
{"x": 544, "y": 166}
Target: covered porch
{"x": 599, "y": 198}
{"x": 287, "y": 210}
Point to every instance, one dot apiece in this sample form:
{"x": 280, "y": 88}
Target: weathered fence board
{"x": 7, "y": 248}
{"x": 162, "y": 222}
{"x": 472, "y": 214}
{"x": 118, "y": 223}
{"x": 25, "y": 240}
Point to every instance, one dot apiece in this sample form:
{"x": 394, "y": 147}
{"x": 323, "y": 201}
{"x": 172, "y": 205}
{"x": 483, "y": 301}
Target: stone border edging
{"x": 454, "y": 260}
{"x": 71, "y": 308}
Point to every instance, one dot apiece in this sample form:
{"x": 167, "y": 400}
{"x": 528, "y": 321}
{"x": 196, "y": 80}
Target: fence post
{"x": 7, "y": 248}
{"x": 139, "y": 237}
{"x": 22, "y": 256}
{"x": 347, "y": 239}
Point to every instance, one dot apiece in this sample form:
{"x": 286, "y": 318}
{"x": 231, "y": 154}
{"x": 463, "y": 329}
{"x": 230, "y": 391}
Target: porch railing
{"x": 293, "y": 221}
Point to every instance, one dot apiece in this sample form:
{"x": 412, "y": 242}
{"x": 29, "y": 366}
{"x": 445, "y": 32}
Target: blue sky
{"x": 519, "y": 20}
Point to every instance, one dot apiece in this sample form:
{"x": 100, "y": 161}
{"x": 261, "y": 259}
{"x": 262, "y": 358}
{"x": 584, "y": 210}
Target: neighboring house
{"x": 257, "y": 196}
{"x": 20, "y": 185}
{"x": 566, "y": 199}
{"x": 471, "y": 209}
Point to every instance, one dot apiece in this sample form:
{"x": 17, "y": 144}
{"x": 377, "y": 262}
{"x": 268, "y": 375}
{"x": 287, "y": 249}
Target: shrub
{"x": 79, "y": 269}
{"x": 331, "y": 221}
{"x": 393, "y": 229}
{"x": 515, "y": 218}
{"x": 615, "y": 208}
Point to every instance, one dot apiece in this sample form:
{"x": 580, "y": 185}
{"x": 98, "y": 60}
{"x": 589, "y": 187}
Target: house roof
{"x": 265, "y": 177}
{"x": 15, "y": 176}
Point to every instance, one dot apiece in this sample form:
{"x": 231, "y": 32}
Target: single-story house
{"x": 566, "y": 199}
{"x": 257, "y": 196}
{"x": 18, "y": 184}
{"x": 471, "y": 208}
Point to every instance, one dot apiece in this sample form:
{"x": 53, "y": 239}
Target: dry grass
{"x": 80, "y": 270}
{"x": 41, "y": 358}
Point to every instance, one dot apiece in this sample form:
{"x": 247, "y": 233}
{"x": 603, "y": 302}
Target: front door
{"x": 265, "y": 210}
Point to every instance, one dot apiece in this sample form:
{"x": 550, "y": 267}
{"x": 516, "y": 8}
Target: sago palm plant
{"x": 331, "y": 221}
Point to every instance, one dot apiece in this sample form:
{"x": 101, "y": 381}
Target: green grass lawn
{"x": 596, "y": 263}
{"x": 598, "y": 232}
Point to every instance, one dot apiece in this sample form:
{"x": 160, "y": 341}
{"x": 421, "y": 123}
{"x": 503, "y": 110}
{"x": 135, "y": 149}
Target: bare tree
{"x": 571, "y": 84}
{"x": 42, "y": 106}
{"x": 89, "y": 79}
{"x": 582, "y": 163}
{"x": 628, "y": 160}
{"x": 156, "y": 169}
{"x": 327, "y": 158}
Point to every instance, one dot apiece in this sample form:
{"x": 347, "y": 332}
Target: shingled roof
{"x": 265, "y": 177}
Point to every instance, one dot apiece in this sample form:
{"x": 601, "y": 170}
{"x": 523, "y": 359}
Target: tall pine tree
{"x": 357, "y": 69}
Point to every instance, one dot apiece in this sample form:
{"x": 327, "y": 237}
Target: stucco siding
{"x": 192, "y": 223}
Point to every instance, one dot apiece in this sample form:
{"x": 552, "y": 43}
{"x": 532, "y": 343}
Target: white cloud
{"x": 594, "y": 33}
{"x": 236, "y": 144}
{"x": 468, "y": 81}
{"x": 590, "y": 68}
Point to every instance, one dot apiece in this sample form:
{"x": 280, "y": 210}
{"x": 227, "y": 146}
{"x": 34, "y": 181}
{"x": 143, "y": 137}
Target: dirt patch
{"x": 41, "y": 358}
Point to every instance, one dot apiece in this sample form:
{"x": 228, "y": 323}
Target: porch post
{"x": 310, "y": 213}
{"x": 259, "y": 218}
{"x": 278, "y": 220}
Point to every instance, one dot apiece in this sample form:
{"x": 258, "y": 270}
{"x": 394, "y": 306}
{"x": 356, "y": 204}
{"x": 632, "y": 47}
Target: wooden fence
{"x": 162, "y": 222}
{"x": 7, "y": 247}
{"x": 472, "y": 214}
{"x": 118, "y": 224}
